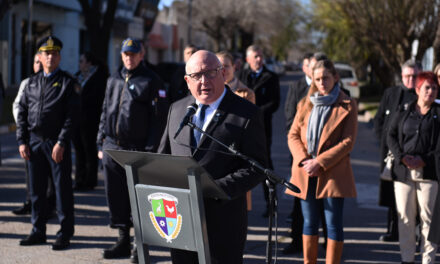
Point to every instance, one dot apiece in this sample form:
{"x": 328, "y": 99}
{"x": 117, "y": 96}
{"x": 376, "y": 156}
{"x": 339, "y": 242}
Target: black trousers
{"x": 51, "y": 197}
{"x": 116, "y": 189}
{"x": 41, "y": 166}
{"x": 86, "y": 155}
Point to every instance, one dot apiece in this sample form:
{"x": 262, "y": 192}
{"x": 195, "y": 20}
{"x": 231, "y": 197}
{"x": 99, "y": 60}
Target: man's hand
{"x": 57, "y": 153}
{"x": 100, "y": 154}
{"x": 24, "y": 151}
{"x": 311, "y": 166}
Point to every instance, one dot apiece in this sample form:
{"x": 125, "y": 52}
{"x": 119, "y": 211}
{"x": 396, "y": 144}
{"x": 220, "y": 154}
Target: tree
{"x": 379, "y": 31}
{"x": 99, "y": 25}
{"x": 270, "y": 23}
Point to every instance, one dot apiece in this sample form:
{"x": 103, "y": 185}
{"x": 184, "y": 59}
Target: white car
{"x": 348, "y": 79}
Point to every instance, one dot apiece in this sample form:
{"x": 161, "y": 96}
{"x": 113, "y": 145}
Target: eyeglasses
{"x": 410, "y": 75}
{"x": 210, "y": 74}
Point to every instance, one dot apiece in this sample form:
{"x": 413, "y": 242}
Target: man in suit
{"x": 392, "y": 100}
{"x": 234, "y": 121}
{"x": 297, "y": 91}
{"x": 267, "y": 92}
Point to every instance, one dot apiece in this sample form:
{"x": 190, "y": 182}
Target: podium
{"x": 166, "y": 198}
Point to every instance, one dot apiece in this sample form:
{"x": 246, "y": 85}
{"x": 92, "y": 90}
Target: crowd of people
{"x": 133, "y": 110}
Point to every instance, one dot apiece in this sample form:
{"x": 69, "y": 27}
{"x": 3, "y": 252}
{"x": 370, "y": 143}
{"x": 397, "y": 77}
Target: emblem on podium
{"x": 164, "y": 216}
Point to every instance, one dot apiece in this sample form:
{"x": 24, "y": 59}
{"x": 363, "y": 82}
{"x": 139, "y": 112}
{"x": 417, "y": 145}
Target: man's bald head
{"x": 201, "y": 57}
{"x": 205, "y": 76}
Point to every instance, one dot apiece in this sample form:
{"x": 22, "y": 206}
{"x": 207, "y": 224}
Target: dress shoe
{"x": 35, "y": 238}
{"x": 24, "y": 210}
{"x": 61, "y": 243}
{"x": 293, "y": 248}
{"x": 389, "y": 238}
{"x": 134, "y": 255}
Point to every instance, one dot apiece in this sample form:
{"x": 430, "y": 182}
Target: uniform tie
{"x": 199, "y": 123}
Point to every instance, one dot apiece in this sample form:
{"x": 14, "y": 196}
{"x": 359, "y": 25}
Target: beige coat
{"x": 242, "y": 90}
{"x": 336, "y": 142}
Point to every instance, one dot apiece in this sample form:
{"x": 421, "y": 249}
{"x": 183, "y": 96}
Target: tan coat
{"x": 336, "y": 142}
{"x": 242, "y": 90}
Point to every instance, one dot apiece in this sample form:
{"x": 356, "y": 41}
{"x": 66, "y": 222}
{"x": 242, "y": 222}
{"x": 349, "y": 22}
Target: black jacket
{"x": 133, "y": 113}
{"x": 431, "y": 156}
{"x": 267, "y": 93}
{"x": 297, "y": 91}
{"x": 390, "y": 103}
{"x": 47, "y": 107}
{"x": 92, "y": 96}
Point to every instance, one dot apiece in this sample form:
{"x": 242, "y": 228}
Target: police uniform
{"x": 133, "y": 118}
{"x": 45, "y": 118}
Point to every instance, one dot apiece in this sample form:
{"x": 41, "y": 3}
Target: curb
{"x": 4, "y": 129}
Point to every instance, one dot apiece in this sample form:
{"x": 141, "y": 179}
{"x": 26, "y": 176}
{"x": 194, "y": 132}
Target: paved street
{"x": 364, "y": 221}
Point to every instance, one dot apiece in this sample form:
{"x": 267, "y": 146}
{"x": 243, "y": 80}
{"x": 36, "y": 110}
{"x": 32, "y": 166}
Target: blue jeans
{"x": 333, "y": 210}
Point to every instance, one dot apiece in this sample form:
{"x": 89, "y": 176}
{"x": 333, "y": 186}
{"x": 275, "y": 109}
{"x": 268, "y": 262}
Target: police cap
{"x": 50, "y": 43}
{"x": 131, "y": 45}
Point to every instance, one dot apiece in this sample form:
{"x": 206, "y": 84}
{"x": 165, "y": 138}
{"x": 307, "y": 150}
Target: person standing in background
{"x": 392, "y": 100}
{"x": 44, "y": 126}
{"x": 92, "y": 77}
{"x": 321, "y": 138}
{"x": 130, "y": 120}
{"x": 297, "y": 90}
{"x": 26, "y": 208}
{"x": 266, "y": 86}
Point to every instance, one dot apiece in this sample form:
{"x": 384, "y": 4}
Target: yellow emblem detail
{"x": 56, "y": 84}
{"x": 129, "y": 43}
{"x": 50, "y": 42}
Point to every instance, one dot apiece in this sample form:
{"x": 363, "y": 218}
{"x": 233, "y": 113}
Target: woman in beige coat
{"x": 320, "y": 140}
{"x": 239, "y": 89}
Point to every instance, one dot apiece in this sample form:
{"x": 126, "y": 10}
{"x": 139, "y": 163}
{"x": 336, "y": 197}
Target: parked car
{"x": 274, "y": 66}
{"x": 348, "y": 79}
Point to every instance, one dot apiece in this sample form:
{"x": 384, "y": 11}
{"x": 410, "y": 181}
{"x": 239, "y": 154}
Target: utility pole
{"x": 189, "y": 21}
{"x": 30, "y": 56}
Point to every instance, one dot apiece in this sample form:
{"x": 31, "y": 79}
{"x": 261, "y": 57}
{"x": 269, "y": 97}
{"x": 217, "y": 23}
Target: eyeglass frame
{"x": 191, "y": 75}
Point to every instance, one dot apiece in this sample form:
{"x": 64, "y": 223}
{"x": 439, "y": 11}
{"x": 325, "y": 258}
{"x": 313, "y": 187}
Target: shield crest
{"x": 164, "y": 216}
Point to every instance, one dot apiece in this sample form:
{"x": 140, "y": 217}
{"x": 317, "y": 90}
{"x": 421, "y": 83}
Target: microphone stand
{"x": 271, "y": 177}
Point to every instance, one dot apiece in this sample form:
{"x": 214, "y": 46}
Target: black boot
{"x": 122, "y": 247}
{"x": 24, "y": 210}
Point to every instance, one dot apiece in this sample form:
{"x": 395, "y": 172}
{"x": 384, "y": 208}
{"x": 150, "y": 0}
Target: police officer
{"x": 130, "y": 120}
{"x": 44, "y": 126}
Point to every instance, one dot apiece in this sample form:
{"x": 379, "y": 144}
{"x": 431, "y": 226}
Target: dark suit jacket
{"x": 297, "y": 91}
{"x": 237, "y": 122}
{"x": 389, "y": 104}
{"x": 267, "y": 94}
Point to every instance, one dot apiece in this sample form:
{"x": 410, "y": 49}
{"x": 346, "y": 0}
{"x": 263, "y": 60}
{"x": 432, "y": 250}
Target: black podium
{"x": 166, "y": 197}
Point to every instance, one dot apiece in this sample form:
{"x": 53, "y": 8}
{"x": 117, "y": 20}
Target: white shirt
{"x": 209, "y": 111}
{"x": 308, "y": 80}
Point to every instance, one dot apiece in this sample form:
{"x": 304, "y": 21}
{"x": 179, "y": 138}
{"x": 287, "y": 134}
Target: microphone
{"x": 190, "y": 111}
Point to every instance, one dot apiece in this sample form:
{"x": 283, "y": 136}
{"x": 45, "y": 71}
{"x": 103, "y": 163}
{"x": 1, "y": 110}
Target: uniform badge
{"x": 49, "y": 42}
{"x": 131, "y": 87}
{"x": 162, "y": 93}
{"x": 164, "y": 215}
